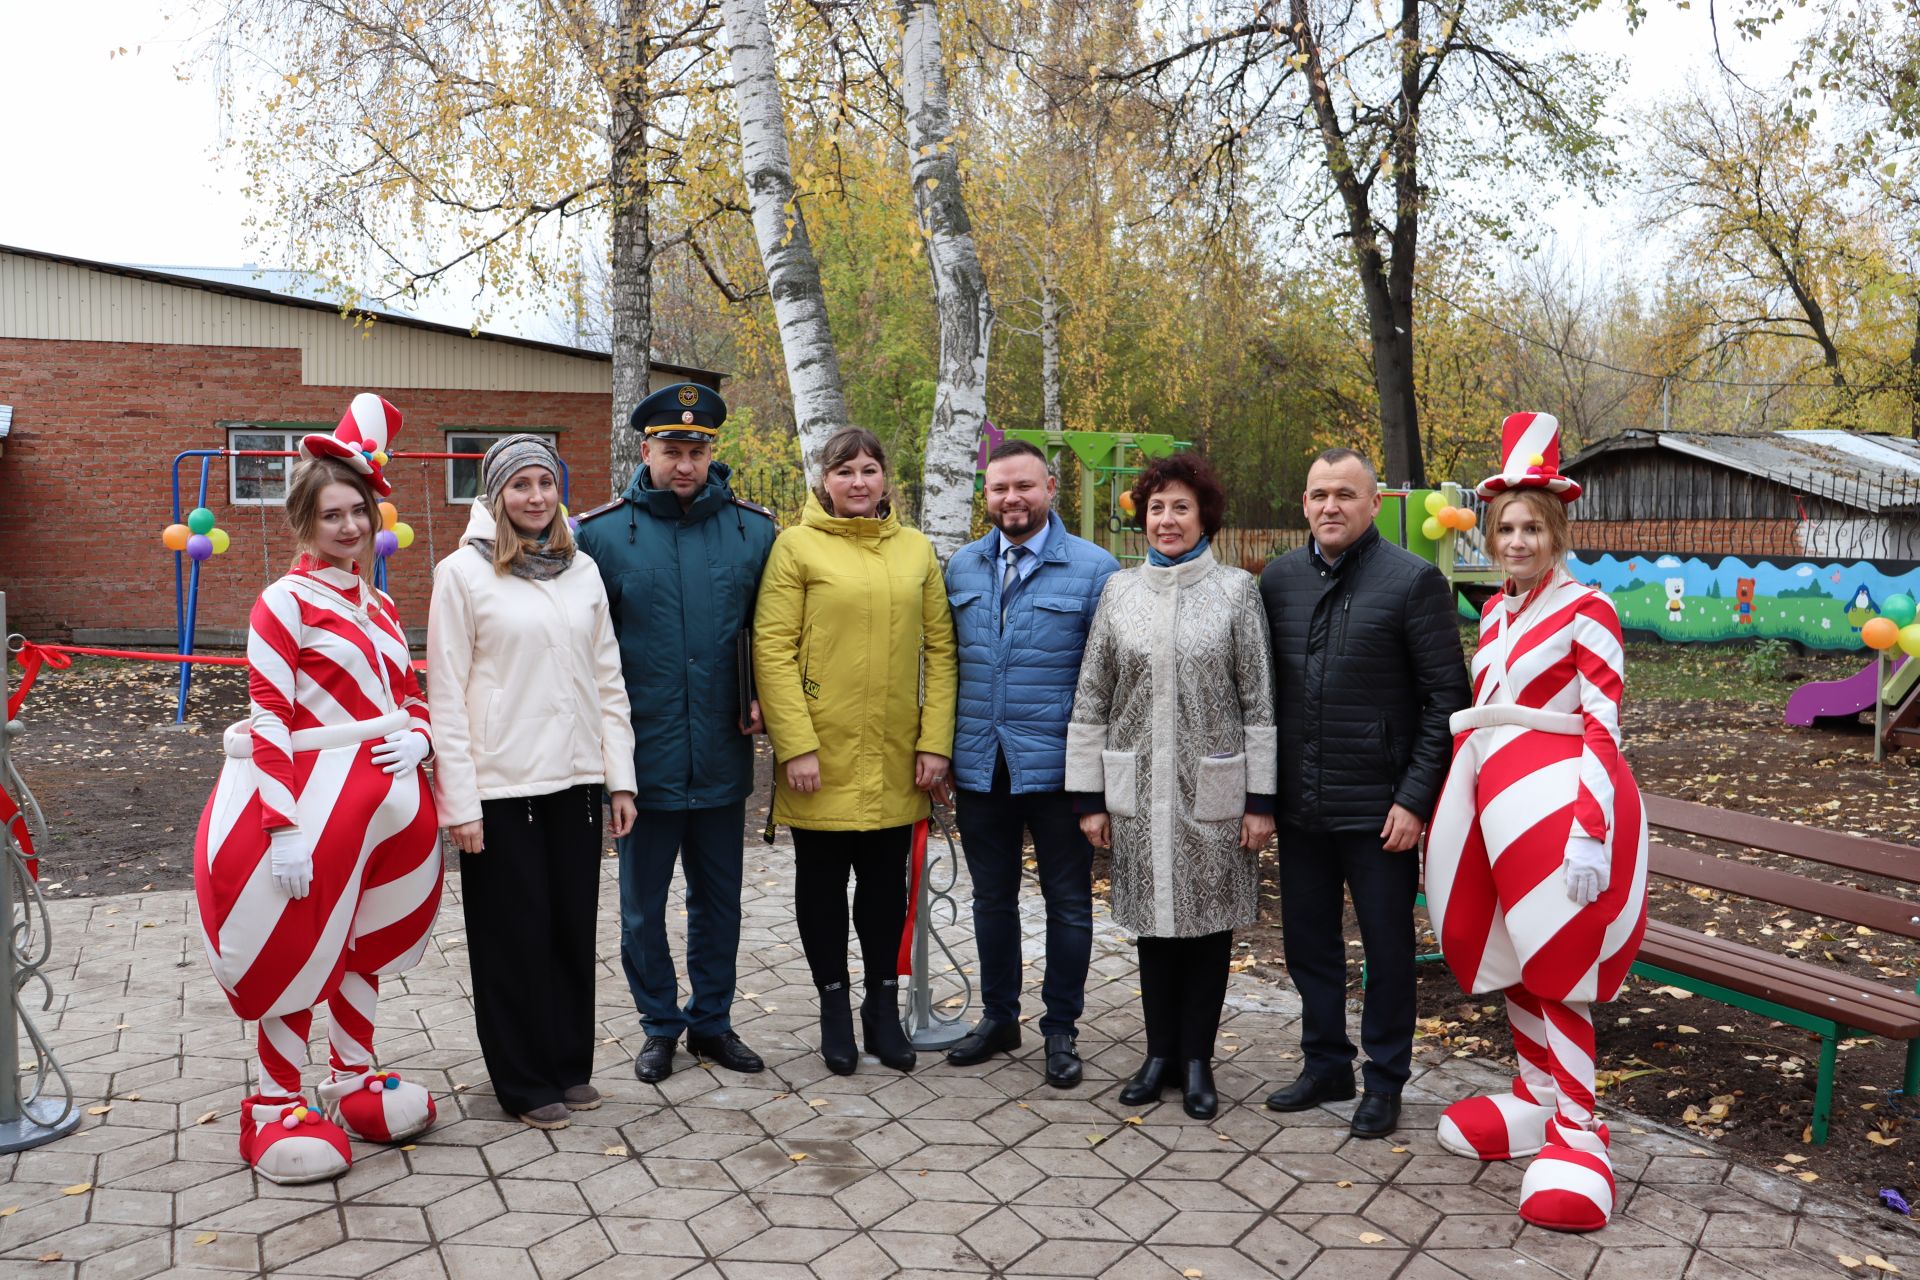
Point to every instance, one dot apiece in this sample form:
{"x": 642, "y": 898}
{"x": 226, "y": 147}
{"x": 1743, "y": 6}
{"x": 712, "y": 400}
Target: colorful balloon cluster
{"x": 1894, "y": 626}
{"x": 197, "y": 537}
{"x": 1441, "y": 517}
{"x": 393, "y": 536}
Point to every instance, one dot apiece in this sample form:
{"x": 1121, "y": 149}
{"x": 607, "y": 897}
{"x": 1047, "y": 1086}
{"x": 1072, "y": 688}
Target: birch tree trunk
{"x": 1050, "y": 416}
{"x": 631, "y": 283}
{"x": 960, "y": 286}
{"x": 780, "y": 228}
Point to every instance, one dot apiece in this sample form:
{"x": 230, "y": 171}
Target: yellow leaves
{"x": 1879, "y": 1263}
{"x": 1133, "y": 1120}
{"x": 77, "y": 1189}
{"x": 615, "y": 1151}
{"x": 100, "y": 1111}
{"x": 206, "y": 1237}
{"x": 1371, "y": 1237}
{"x": 1879, "y": 1139}
{"x": 798, "y": 1156}
{"x": 206, "y": 1117}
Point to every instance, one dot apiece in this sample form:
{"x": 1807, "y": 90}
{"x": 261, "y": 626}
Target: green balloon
{"x": 1431, "y": 528}
{"x": 1434, "y": 502}
{"x": 200, "y": 520}
{"x": 1900, "y": 608}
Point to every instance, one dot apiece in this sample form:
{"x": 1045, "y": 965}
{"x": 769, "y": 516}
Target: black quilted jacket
{"x": 1367, "y": 667}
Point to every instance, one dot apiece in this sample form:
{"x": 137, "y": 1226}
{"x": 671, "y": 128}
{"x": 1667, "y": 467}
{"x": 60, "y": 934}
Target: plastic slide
{"x": 1849, "y": 697}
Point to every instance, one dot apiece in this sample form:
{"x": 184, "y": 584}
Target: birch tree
{"x": 780, "y": 230}
{"x": 959, "y": 284}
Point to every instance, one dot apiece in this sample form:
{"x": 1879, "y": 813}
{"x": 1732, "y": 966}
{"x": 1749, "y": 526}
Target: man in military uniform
{"x": 681, "y": 557}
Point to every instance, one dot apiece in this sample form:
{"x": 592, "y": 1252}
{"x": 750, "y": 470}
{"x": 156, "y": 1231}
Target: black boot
{"x": 836, "y": 1029}
{"x": 880, "y": 1025}
{"x": 1198, "y": 1098}
{"x": 1147, "y": 1083}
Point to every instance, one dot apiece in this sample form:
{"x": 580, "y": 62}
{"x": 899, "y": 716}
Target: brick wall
{"x": 85, "y": 489}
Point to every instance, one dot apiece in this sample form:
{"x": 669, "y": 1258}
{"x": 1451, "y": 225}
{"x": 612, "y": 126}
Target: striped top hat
{"x": 1530, "y": 458}
{"x": 361, "y": 439}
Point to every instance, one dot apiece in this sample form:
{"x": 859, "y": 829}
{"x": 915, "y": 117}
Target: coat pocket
{"x": 1123, "y": 787}
{"x": 1220, "y": 788}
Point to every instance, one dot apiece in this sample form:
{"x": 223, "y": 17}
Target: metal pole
{"x": 1880, "y": 705}
{"x": 26, "y": 1119}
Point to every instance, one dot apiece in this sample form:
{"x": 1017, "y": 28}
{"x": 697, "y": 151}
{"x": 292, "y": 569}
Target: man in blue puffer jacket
{"x": 1023, "y": 598}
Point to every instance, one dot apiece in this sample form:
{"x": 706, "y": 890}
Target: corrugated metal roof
{"x": 1873, "y": 472}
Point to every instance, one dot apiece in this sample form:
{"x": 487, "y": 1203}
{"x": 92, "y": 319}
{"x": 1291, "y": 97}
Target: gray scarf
{"x": 534, "y": 562}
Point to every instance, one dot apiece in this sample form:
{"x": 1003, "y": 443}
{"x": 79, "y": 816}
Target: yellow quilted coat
{"x": 850, "y": 609}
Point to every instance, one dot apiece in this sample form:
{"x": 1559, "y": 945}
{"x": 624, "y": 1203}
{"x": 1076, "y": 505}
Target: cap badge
{"x": 689, "y": 396}
{"x": 687, "y": 417}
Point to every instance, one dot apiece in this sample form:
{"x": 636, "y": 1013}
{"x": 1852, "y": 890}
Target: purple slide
{"x": 1818, "y": 698}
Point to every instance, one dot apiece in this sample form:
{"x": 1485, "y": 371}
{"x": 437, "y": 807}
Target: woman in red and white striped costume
{"x": 317, "y": 864}
{"x": 1536, "y": 869}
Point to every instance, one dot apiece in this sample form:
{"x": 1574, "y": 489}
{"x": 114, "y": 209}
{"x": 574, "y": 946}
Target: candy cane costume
{"x": 329, "y": 678}
{"x": 1537, "y": 771}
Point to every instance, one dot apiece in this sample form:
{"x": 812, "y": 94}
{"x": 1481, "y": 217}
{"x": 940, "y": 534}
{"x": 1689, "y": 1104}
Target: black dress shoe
{"x": 1309, "y": 1091}
{"x": 1197, "y": 1096}
{"x": 1377, "y": 1115}
{"x": 1063, "y": 1062}
{"x": 1147, "y": 1083}
{"x": 987, "y": 1038}
{"x": 655, "y": 1062}
{"x": 727, "y": 1050}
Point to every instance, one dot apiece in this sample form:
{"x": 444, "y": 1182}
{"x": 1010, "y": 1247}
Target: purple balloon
{"x": 386, "y": 542}
{"x": 573, "y": 523}
{"x": 200, "y": 546}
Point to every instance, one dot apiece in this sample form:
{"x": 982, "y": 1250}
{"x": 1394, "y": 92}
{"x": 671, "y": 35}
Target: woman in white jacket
{"x": 531, "y": 720}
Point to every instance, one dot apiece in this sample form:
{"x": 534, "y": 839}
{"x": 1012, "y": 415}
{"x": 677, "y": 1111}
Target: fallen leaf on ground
{"x": 411, "y": 1146}
{"x": 100, "y": 1111}
{"x": 1399, "y": 1151}
{"x": 1685, "y": 1030}
{"x": 207, "y": 1118}
{"x": 797, "y": 1156}
{"x": 614, "y": 1151}
{"x": 1371, "y": 1237}
{"x": 1193, "y": 1273}
{"x": 1807, "y": 1175}
{"x": 1095, "y": 1139}
{"x": 9, "y": 1211}
{"x": 1794, "y": 1159}
{"x": 55, "y": 1256}
{"x": 77, "y": 1189}
{"x": 818, "y": 1102}
{"x": 206, "y": 1237}
{"x": 1343, "y": 1183}
{"x": 1133, "y": 1120}
{"x": 1879, "y": 1263}
{"x": 1845, "y": 1261}
{"x": 1880, "y": 1140}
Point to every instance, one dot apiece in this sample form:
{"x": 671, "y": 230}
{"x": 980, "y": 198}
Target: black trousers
{"x": 1183, "y": 984}
{"x": 878, "y": 863}
{"x": 1317, "y": 870}
{"x": 530, "y": 899}
{"x": 991, "y": 823}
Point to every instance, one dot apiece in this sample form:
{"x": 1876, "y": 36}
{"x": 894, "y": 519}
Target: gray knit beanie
{"x": 511, "y": 455}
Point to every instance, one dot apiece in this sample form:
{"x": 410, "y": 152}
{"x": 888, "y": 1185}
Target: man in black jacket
{"x": 1367, "y": 669}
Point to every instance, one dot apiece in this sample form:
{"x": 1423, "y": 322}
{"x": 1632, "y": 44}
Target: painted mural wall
{"x": 1707, "y": 598}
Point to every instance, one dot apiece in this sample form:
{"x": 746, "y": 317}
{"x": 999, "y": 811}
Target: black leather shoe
{"x": 1146, "y": 1084}
{"x": 1309, "y": 1091}
{"x": 987, "y": 1038}
{"x": 727, "y": 1050}
{"x": 1377, "y": 1115}
{"x": 1197, "y": 1096}
{"x": 655, "y": 1062}
{"x": 1063, "y": 1062}
{"x": 880, "y": 1031}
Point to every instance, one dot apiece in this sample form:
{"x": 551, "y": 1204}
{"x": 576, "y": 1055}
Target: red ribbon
{"x": 917, "y": 869}
{"x": 33, "y": 656}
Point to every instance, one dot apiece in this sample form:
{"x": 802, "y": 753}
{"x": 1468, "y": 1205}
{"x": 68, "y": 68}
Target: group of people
{"x": 1173, "y": 714}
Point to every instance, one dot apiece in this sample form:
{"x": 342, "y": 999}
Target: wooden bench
{"x": 1829, "y": 1002}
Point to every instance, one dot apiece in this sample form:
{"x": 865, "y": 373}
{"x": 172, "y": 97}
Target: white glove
{"x": 1587, "y": 869}
{"x": 291, "y": 860}
{"x": 401, "y": 750}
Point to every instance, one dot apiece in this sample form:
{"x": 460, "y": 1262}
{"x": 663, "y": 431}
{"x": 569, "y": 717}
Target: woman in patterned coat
{"x": 317, "y": 864}
{"x": 1537, "y": 857}
{"x": 1172, "y": 748}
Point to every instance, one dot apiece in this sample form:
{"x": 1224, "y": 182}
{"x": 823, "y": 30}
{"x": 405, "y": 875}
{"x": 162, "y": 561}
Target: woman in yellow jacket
{"x": 851, "y": 625}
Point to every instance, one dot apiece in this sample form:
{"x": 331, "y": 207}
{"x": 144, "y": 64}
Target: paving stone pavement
{"x": 799, "y": 1173}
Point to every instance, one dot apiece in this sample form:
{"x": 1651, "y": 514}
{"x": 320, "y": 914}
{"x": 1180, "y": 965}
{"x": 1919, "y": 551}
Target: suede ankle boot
{"x": 836, "y": 1029}
{"x": 880, "y": 1025}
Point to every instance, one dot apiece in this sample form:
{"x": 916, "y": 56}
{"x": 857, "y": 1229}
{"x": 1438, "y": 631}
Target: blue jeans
{"x": 991, "y": 824}
{"x": 708, "y": 844}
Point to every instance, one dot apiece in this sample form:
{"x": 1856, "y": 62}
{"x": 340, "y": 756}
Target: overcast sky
{"x": 114, "y": 157}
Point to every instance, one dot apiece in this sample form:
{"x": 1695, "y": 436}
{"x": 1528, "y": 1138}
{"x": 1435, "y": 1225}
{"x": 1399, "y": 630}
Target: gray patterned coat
{"x": 1173, "y": 721}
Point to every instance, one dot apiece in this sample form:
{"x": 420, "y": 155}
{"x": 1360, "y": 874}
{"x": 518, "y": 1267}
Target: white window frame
{"x": 457, "y": 439}
{"x": 286, "y": 435}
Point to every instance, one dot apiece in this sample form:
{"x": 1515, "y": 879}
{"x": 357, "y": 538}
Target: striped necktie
{"x": 1010, "y": 584}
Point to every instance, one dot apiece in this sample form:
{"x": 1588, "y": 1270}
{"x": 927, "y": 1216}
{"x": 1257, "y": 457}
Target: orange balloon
{"x": 1464, "y": 519}
{"x": 389, "y": 515}
{"x": 1126, "y": 501}
{"x": 1880, "y": 633}
{"x": 175, "y": 537}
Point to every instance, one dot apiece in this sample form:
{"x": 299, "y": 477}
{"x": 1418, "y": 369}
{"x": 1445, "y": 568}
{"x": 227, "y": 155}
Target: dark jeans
{"x": 708, "y": 844}
{"x": 991, "y": 823}
{"x": 529, "y": 898}
{"x": 1315, "y": 868}
{"x": 1183, "y": 984}
{"x": 878, "y": 863}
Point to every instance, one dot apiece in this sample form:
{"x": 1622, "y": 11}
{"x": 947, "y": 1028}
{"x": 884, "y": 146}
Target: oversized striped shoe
{"x": 286, "y": 1141}
{"x": 1500, "y": 1126}
{"x": 1569, "y": 1186}
{"x": 378, "y": 1106}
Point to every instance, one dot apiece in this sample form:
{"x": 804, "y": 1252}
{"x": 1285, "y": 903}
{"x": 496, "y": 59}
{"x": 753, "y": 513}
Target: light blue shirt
{"x": 1037, "y": 544}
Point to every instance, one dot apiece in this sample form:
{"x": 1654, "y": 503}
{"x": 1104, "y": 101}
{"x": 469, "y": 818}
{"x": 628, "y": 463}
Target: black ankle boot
{"x": 880, "y": 1025}
{"x": 836, "y": 1029}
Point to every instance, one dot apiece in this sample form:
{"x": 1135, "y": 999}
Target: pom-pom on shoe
{"x": 1569, "y": 1186}
{"x": 378, "y": 1106}
{"x": 287, "y": 1142}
